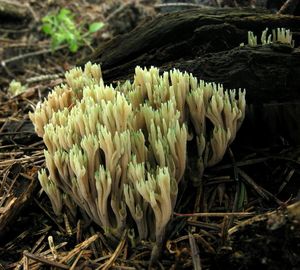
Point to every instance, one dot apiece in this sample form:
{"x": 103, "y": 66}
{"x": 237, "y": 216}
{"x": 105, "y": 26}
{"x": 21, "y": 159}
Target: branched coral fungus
{"x": 120, "y": 152}
{"x": 278, "y": 35}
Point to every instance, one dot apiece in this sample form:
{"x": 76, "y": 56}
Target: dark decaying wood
{"x": 13, "y": 10}
{"x": 19, "y": 197}
{"x": 279, "y": 228}
{"x": 207, "y": 43}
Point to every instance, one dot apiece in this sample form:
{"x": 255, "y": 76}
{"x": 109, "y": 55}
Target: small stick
{"x": 205, "y": 225}
{"x": 204, "y": 243}
{"x": 78, "y": 232}
{"x": 26, "y": 55}
{"x": 234, "y": 214}
{"x": 19, "y": 160}
{"x": 79, "y": 247}
{"x": 22, "y": 56}
{"x": 51, "y": 217}
{"x": 45, "y": 261}
{"x": 260, "y": 190}
{"x": 25, "y": 262}
{"x": 117, "y": 11}
{"x": 224, "y": 230}
{"x": 292, "y": 212}
{"x": 52, "y": 247}
{"x": 38, "y": 242}
{"x": 48, "y": 251}
{"x": 180, "y": 5}
{"x": 288, "y": 7}
{"x": 115, "y": 255}
{"x": 242, "y": 163}
{"x": 195, "y": 253}
{"x": 76, "y": 260}
{"x": 45, "y": 77}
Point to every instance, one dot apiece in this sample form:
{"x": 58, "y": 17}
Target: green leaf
{"x": 73, "y": 46}
{"x": 47, "y": 29}
{"x": 68, "y": 22}
{"x": 94, "y": 27}
{"x": 57, "y": 39}
{"x": 69, "y": 35}
{"x": 47, "y": 19}
{"x": 64, "y": 13}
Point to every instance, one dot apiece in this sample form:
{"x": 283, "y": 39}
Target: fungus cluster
{"x": 278, "y": 35}
{"x": 120, "y": 152}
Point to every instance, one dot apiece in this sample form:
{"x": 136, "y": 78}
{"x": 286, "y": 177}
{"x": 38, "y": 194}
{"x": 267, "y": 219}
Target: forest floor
{"x": 31, "y": 237}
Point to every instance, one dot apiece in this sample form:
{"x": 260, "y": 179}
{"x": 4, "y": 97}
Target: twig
{"x": 286, "y": 180}
{"x": 20, "y": 160}
{"x": 198, "y": 198}
{"x": 25, "y": 262}
{"x": 124, "y": 267}
{"x": 33, "y": 13}
{"x": 195, "y": 253}
{"x": 22, "y": 56}
{"x": 288, "y": 7}
{"x": 205, "y": 225}
{"x": 238, "y": 193}
{"x": 79, "y": 248}
{"x": 224, "y": 229}
{"x": 234, "y": 214}
{"x": 255, "y": 161}
{"x": 260, "y": 190}
{"x": 158, "y": 6}
{"x": 16, "y": 133}
{"x": 39, "y": 241}
{"x": 8, "y": 192}
{"x": 204, "y": 243}
{"x": 48, "y": 251}
{"x": 46, "y": 77}
{"x": 118, "y": 10}
{"x": 76, "y": 260}
{"x": 242, "y": 163}
{"x": 45, "y": 261}
{"x": 52, "y": 247}
{"x": 115, "y": 255}
{"x": 47, "y": 213}
{"x": 293, "y": 211}
{"x": 26, "y": 55}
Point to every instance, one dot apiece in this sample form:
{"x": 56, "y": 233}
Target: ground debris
{"x": 242, "y": 214}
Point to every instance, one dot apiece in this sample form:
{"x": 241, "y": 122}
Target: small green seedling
{"x": 62, "y": 28}
{"x": 279, "y": 35}
{"x": 15, "y": 88}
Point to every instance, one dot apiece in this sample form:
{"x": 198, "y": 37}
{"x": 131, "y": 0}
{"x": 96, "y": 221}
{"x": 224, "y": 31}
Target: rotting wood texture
{"x": 207, "y": 43}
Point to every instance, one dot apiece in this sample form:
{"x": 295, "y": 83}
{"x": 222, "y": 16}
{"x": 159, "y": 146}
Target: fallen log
{"x": 207, "y": 44}
{"x": 185, "y": 35}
